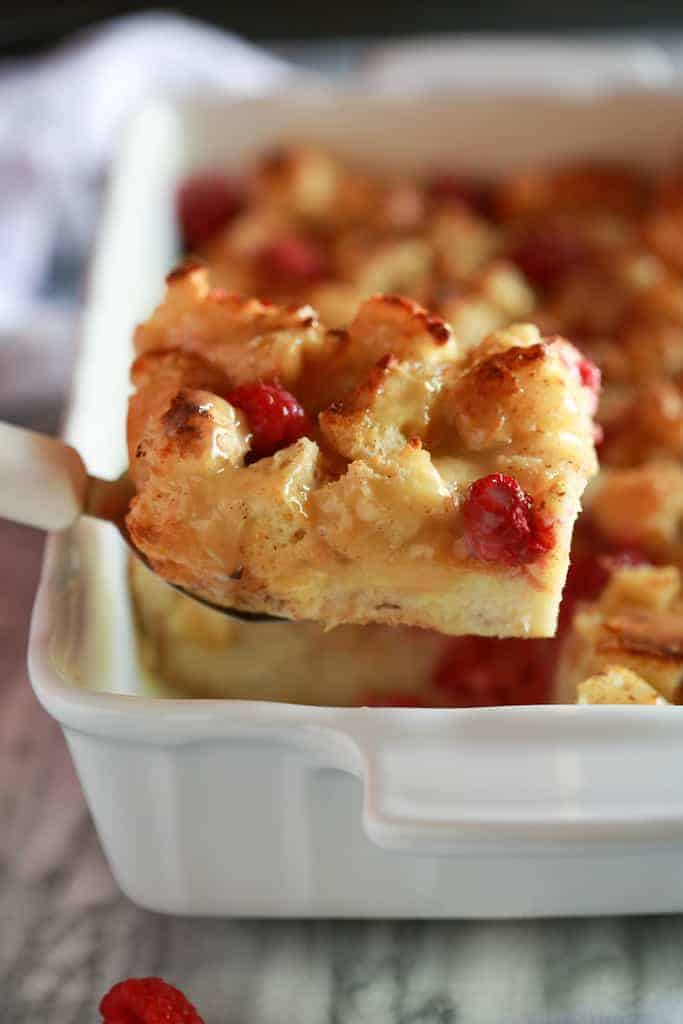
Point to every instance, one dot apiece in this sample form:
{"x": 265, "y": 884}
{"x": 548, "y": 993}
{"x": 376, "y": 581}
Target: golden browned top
{"x": 478, "y": 253}
{"x": 397, "y": 374}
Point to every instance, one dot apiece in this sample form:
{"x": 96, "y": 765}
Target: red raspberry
{"x": 147, "y": 1001}
{"x": 547, "y": 254}
{"x": 477, "y": 671}
{"x": 293, "y": 258}
{"x": 485, "y": 672}
{"x": 501, "y": 524}
{"x": 453, "y": 188}
{"x": 588, "y": 373}
{"x": 206, "y": 203}
{"x": 275, "y": 417}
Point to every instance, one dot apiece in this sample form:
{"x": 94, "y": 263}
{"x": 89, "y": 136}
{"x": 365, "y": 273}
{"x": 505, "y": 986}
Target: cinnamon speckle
{"x": 387, "y": 362}
{"x": 439, "y": 330}
{"x": 504, "y": 366}
{"x": 182, "y": 271}
{"x": 178, "y": 420}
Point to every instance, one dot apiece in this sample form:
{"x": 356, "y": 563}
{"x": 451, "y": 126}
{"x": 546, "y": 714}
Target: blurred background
{"x": 32, "y": 25}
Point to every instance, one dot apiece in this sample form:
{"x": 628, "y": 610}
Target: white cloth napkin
{"x": 60, "y": 117}
{"x": 59, "y": 120}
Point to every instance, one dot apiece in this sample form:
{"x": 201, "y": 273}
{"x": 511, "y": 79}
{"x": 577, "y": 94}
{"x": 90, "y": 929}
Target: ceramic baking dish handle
{"x": 42, "y": 480}
{"x": 442, "y": 782}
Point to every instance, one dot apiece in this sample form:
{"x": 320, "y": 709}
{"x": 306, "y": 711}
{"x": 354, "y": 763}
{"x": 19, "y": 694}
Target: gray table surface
{"x": 67, "y": 934}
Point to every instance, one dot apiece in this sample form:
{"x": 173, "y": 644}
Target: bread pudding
{"x": 618, "y": 686}
{"x": 190, "y": 649}
{"x": 635, "y": 627}
{"x": 591, "y": 252}
{"x": 195, "y": 650}
{"x": 380, "y": 473}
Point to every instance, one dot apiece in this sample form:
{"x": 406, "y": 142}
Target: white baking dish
{"x": 224, "y": 807}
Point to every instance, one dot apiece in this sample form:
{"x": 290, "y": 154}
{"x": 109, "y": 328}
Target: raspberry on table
{"x": 147, "y": 1001}
{"x": 275, "y": 417}
{"x": 206, "y": 202}
{"x": 293, "y": 257}
{"x": 501, "y": 524}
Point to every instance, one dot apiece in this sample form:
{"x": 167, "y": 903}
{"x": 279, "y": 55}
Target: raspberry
{"x": 147, "y": 1001}
{"x": 453, "y": 188}
{"x": 501, "y": 524}
{"x": 293, "y": 258}
{"x": 588, "y": 373}
{"x": 548, "y": 254}
{"x": 206, "y": 203}
{"x": 477, "y": 671}
{"x": 275, "y": 417}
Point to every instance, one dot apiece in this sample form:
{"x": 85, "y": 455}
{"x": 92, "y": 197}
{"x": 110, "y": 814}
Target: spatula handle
{"x": 43, "y": 481}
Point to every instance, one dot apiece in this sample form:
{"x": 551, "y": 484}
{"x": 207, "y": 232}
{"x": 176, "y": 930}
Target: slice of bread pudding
{"x": 383, "y": 473}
